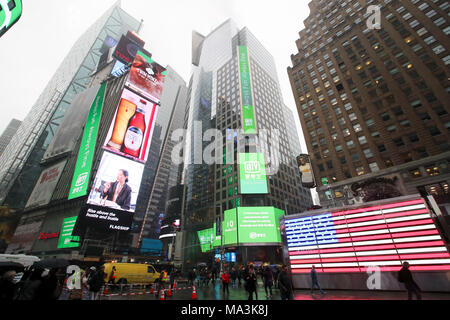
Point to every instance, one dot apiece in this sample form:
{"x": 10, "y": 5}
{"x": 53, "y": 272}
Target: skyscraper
{"x": 20, "y": 164}
{"x": 8, "y": 134}
{"x": 374, "y": 100}
{"x": 214, "y": 102}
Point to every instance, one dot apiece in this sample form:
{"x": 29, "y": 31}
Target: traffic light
{"x": 10, "y": 13}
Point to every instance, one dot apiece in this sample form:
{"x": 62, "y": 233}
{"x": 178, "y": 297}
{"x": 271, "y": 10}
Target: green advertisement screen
{"x": 65, "y": 236}
{"x": 83, "y": 166}
{"x": 252, "y": 170}
{"x": 205, "y": 238}
{"x": 230, "y": 227}
{"x": 259, "y": 225}
{"x": 248, "y": 112}
{"x": 216, "y": 239}
{"x": 10, "y": 13}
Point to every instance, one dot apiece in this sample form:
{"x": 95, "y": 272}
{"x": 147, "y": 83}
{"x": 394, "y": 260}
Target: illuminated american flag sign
{"x": 355, "y": 240}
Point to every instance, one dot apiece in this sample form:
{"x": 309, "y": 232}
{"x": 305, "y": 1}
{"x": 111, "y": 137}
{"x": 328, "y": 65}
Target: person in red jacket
{"x": 225, "y": 282}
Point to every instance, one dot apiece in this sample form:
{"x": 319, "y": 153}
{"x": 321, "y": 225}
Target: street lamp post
{"x": 221, "y": 237}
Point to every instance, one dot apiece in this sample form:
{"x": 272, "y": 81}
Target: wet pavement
{"x": 214, "y": 292}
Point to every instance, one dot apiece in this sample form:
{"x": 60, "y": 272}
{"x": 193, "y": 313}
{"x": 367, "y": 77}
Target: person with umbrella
{"x": 7, "y": 285}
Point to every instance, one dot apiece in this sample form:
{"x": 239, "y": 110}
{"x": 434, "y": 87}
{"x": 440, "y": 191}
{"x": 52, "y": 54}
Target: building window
{"x": 381, "y": 148}
{"x": 374, "y": 167}
{"x": 413, "y": 137}
{"x": 362, "y": 140}
{"x": 415, "y": 173}
{"x": 399, "y": 142}
{"x": 434, "y": 131}
{"x": 432, "y": 171}
{"x": 360, "y": 171}
{"x": 368, "y": 153}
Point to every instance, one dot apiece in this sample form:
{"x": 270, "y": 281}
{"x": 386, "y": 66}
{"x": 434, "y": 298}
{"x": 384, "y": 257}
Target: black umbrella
{"x": 7, "y": 266}
{"x": 52, "y": 263}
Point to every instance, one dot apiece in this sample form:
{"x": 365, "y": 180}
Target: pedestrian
{"x": 276, "y": 275}
{"x": 161, "y": 282}
{"x": 191, "y": 277}
{"x": 405, "y": 276}
{"x": 225, "y": 282}
{"x": 250, "y": 282}
{"x": 50, "y": 288}
{"x": 29, "y": 286}
{"x": 96, "y": 282}
{"x": 315, "y": 281}
{"x": 268, "y": 281}
{"x": 233, "y": 276}
{"x": 239, "y": 275}
{"x": 112, "y": 277}
{"x": 7, "y": 285}
{"x": 284, "y": 284}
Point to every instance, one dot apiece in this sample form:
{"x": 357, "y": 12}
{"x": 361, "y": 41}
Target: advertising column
{"x": 112, "y": 200}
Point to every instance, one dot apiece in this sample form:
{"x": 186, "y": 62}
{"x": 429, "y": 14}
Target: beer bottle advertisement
{"x": 131, "y": 128}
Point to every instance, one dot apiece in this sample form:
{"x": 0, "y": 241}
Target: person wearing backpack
{"x": 405, "y": 277}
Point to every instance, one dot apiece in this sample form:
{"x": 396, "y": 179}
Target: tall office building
{"x": 8, "y": 134}
{"x": 20, "y": 164}
{"x": 161, "y": 168}
{"x": 374, "y": 100}
{"x": 214, "y": 102}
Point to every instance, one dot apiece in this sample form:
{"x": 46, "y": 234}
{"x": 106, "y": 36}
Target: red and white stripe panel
{"x": 384, "y": 236}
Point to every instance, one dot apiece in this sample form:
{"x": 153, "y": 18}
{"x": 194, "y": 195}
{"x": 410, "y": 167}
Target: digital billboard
{"x": 230, "y": 227}
{"x": 146, "y": 77}
{"x": 83, "y": 165}
{"x": 356, "y": 239}
{"x": 10, "y": 13}
{"x": 43, "y": 190}
{"x": 306, "y": 172}
{"x": 66, "y": 240}
{"x": 205, "y": 238}
{"x": 248, "y": 112}
{"x": 252, "y": 173}
{"x": 259, "y": 225}
{"x": 132, "y": 127}
{"x": 126, "y": 50}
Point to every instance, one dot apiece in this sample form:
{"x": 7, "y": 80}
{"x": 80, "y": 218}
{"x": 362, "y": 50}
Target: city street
{"x": 215, "y": 293}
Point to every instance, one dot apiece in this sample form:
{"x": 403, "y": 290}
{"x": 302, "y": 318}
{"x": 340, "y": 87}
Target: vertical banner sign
{"x": 248, "y": 112}
{"x": 65, "y": 236}
{"x": 252, "y": 170}
{"x": 83, "y": 166}
{"x": 230, "y": 227}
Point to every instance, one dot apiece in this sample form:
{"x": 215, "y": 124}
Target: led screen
{"x": 354, "y": 240}
{"x": 132, "y": 127}
{"x": 66, "y": 240}
{"x": 248, "y": 112}
{"x": 147, "y": 77}
{"x": 83, "y": 165}
{"x": 10, "y": 13}
{"x": 259, "y": 225}
{"x": 205, "y": 238}
{"x": 230, "y": 227}
{"x": 252, "y": 170}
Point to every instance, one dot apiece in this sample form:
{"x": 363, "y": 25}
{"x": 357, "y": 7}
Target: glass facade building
{"x": 20, "y": 164}
{"x": 214, "y": 103}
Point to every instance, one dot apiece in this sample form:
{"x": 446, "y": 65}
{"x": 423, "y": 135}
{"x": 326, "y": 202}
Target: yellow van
{"x": 132, "y": 273}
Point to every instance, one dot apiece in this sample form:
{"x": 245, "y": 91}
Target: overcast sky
{"x": 32, "y": 50}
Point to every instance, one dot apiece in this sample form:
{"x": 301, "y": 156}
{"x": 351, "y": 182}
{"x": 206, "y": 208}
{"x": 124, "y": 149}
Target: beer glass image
{"x": 126, "y": 111}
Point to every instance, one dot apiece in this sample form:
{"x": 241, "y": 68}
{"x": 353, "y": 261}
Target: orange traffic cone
{"x": 169, "y": 293}
{"x": 152, "y": 290}
{"x": 194, "y": 294}
{"x": 106, "y": 290}
{"x": 162, "y": 295}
